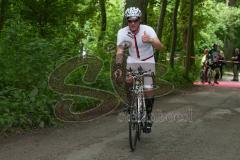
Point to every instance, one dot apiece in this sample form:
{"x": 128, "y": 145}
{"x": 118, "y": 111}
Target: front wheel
{"x": 133, "y": 131}
{"x": 209, "y": 75}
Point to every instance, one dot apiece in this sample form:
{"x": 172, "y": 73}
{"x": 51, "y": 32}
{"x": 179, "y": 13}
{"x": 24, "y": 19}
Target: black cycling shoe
{"x": 147, "y": 128}
{"x": 148, "y": 125}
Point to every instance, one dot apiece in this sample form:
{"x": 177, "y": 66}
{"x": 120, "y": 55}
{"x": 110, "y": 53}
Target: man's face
{"x": 134, "y": 24}
{"x": 215, "y": 47}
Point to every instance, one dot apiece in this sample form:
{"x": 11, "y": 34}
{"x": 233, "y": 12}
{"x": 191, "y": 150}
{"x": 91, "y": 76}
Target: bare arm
{"x": 118, "y": 62}
{"x": 119, "y": 55}
{"x": 156, "y": 43}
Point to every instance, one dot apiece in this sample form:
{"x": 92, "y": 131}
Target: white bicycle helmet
{"x": 133, "y": 12}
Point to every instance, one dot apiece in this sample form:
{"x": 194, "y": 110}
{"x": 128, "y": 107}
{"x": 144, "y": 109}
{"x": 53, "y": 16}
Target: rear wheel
{"x": 202, "y": 77}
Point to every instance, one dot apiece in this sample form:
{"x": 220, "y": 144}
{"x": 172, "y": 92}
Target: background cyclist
{"x": 141, "y": 40}
{"x": 236, "y": 64}
{"x": 204, "y": 65}
{"x": 213, "y": 62}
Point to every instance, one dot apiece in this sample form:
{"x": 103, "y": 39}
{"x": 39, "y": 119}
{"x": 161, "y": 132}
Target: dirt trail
{"x": 197, "y": 124}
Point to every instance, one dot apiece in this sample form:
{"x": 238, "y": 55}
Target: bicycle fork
{"x": 141, "y": 109}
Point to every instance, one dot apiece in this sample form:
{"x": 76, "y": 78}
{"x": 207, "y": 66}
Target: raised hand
{"x": 146, "y": 38}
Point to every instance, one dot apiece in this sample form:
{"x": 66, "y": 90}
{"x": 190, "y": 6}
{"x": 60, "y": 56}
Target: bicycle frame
{"x": 138, "y": 91}
{"x": 212, "y": 73}
{"x": 137, "y": 114}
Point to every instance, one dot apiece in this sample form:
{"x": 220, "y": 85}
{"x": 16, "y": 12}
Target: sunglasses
{"x": 133, "y": 21}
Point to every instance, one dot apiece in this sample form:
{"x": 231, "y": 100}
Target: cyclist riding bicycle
{"x": 236, "y": 64}
{"x": 204, "y": 66}
{"x": 141, "y": 39}
{"x": 213, "y": 62}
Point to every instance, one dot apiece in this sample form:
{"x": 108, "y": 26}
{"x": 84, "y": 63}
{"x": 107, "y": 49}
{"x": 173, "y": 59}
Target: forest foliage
{"x": 36, "y": 36}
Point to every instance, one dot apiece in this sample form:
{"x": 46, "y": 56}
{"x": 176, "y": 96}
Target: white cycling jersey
{"x": 144, "y": 57}
{"x": 145, "y": 49}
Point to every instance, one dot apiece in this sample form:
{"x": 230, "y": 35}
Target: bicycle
{"x": 204, "y": 73}
{"x": 213, "y": 73}
{"x": 137, "y": 111}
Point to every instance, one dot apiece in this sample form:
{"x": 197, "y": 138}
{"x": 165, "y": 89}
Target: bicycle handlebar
{"x": 137, "y": 74}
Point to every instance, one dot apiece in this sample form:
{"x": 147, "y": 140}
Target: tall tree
{"x": 160, "y": 24}
{"x": 189, "y": 39}
{"x": 229, "y": 44}
{"x": 232, "y": 3}
{"x": 184, "y": 12}
{"x": 174, "y": 38}
{"x": 49, "y": 14}
{"x": 4, "y": 5}
{"x": 161, "y": 18}
{"x": 103, "y": 19}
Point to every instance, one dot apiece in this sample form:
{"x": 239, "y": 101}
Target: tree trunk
{"x": 184, "y": 16}
{"x": 161, "y": 19}
{"x": 229, "y": 41}
{"x": 185, "y": 37}
{"x": 43, "y": 18}
{"x": 103, "y": 19}
{"x": 4, "y": 5}
{"x": 189, "y": 39}
{"x": 192, "y": 48}
{"x": 141, "y": 4}
{"x": 232, "y": 3}
{"x": 174, "y": 39}
{"x": 160, "y": 25}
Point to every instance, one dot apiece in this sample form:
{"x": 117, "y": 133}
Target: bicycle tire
{"x": 140, "y": 125}
{"x": 139, "y": 132}
{"x": 202, "y": 76}
{"x": 133, "y": 132}
{"x": 209, "y": 76}
{"x": 137, "y": 113}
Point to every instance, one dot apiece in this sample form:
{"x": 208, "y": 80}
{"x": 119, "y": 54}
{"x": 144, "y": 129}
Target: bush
{"x": 177, "y": 76}
{"x": 23, "y": 109}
